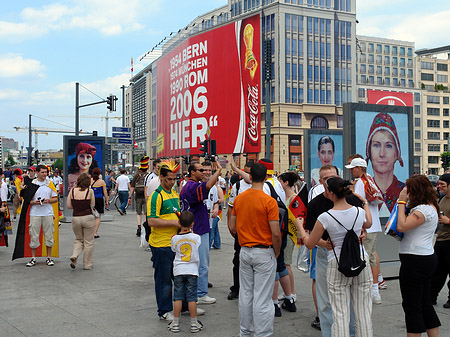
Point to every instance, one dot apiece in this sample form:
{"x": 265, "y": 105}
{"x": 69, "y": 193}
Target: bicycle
{"x": 114, "y": 200}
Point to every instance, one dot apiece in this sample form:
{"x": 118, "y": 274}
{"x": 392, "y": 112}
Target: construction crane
{"x": 18, "y": 129}
{"x": 106, "y": 118}
{"x": 43, "y": 131}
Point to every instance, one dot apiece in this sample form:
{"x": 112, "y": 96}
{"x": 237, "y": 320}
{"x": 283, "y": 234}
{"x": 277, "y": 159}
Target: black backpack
{"x": 282, "y": 210}
{"x": 350, "y": 263}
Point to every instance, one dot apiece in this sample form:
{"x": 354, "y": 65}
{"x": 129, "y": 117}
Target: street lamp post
{"x": 134, "y": 125}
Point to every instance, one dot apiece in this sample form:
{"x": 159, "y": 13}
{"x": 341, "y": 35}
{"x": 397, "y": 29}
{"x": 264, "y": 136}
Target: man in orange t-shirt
{"x": 255, "y": 219}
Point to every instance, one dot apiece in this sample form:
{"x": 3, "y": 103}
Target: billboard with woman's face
{"x": 381, "y": 134}
{"x": 81, "y": 155}
{"x": 324, "y": 148}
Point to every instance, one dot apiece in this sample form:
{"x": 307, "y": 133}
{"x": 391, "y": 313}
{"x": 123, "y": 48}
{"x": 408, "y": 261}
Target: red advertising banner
{"x": 389, "y": 98}
{"x": 211, "y": 84}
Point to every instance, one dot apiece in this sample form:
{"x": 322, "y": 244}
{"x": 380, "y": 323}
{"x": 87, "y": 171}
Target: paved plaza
{"x": 117, "y": 298}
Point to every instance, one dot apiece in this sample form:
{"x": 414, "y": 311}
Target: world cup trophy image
{"x": 250, "y": 60}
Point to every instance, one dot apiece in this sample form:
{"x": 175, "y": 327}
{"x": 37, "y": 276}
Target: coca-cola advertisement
{"x": 389, "y": 98}
{"x": 210, "y": 83}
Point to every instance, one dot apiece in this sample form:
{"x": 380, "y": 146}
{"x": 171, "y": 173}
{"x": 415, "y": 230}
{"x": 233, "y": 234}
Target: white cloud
{"x": 11, "y": 94}
{"x": 109, "y": 17}
{"x": 14, "y": 65}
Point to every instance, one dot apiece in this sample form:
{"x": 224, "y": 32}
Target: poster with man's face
{"x": 82, "y": 155}
{"x": 324, "y": 148}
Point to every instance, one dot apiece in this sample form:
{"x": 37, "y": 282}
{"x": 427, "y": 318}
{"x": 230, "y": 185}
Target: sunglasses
{"x": 201, "y": 170}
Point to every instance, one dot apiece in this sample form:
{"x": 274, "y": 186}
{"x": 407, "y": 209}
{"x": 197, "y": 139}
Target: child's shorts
{"x": 185, "y": 288}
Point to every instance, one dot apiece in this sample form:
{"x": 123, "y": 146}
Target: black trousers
{"x": 442, "y": 250}
{"x": 237, "y": 251}
{"x": 415, "y": 285}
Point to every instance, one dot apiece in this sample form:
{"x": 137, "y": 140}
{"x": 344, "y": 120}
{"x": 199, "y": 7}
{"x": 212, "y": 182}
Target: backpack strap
{"x": 332, "y": 246}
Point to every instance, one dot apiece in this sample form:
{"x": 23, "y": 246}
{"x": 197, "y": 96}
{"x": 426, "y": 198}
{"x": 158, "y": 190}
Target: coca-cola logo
{"x": 252, "y": 102}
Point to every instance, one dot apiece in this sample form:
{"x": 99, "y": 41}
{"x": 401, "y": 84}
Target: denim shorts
{"x": 185, "y": 288}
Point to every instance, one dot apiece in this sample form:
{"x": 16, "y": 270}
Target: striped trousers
{"x": 340, "y": 290}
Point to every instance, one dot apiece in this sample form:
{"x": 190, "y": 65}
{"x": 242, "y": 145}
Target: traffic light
{"x": 204, "y": 148}
{"x": 212, "y": 147}
{"x": 109, "y": 103}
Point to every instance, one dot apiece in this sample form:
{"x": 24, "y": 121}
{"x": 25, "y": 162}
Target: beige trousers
{"x": 83, "y": 227}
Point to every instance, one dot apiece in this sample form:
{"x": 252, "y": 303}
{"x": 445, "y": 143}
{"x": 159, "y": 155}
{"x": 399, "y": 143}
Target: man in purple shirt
{"x": 191, "y": 199}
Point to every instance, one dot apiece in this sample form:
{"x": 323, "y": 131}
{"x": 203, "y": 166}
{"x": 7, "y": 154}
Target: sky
{"x": 46, "y": 46}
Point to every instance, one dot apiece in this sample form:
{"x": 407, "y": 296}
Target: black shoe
{"x": 233, "y": 294}
{"x": 447, "y": 305}
{"x": 277, "y": 310}
{"x": 210, "y": 285}
{"x": 316, "y": 323}
{"x": 289, "y": 305}
{"x": 138, "y": 232}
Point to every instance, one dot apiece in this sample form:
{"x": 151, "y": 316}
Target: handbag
{"x": 95, "y": 213}
{"x": 391, "y": 225}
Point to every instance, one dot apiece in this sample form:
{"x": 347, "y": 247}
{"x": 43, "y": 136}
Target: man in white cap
{"x": 358, "y": 167}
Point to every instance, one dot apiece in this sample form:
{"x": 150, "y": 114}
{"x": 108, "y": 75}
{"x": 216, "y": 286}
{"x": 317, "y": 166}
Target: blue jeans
{"x": 162, "y": 263}
{"x": 185, "y": 288}
{"x": 123, "y": 197}
{"x": 203, "y": 254}
{"x": 214, "y": 235}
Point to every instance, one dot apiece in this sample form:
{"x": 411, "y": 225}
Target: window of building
{"x": 402, "y": 72}
{"x": 426, "y": 65}
{"x": 442, "y": 67}
{"x": 394, "y": 61}
{"x": 371, "y": 80}
{"x": 434, "y": 147}
{"x": 362, "y": 68}
{"x": 379, "y": 49}
{"x": 371, "y": 69}
{"x": 379, "y": 58}
{"x": 445, "y": 135}
{"x": 445, "y": 124}
{"x": 294, "y": 119}
{"x": 410, "y": 63}
{"x": 394, "y": 71}
{"x": 288, "y": 71}
{"x": 416, "y": 134}
{"x": 387, "y": 60}
{"x": 379, "y": 80}
{"x": 410, "y": 53}
{"x": 362, "y": 46}
{"x": 434, "y": 135}
{"x": 363, "y": 79}
{"x": 371, "y": 58}
{"x": 445, "y": 112}
{"x": 417, "y": 122}
{"x": 362, "y": 58}
{"x": 411, "y": 83}
{"x": 417, "y": 147}
{"x": 433, "y": 112}
{"x": 402, "y": 82}
{"x": 370, "y": 50}
{"x": 387, "y": 49}
{"x": 433, "y": 159}
{"x": 445, "y": 100}
{"x": 442, "y": 78}
{"x": 387, "y": 71}
{"x": 288, "y": 95}
{"x": 433, "y": 99}
{"x": 417, "y": 109}
{"x": 402, "y": 61}
{"x": 294, "y": 95}
{"x": 319, "y": 122}
{"x": 426, "y": 77}
{"x": 410, "y": 73}
{"x": 416, "y": 97}
{"x": 387, "y": 81}
{"x": 395, "y": 82}
{"x": 402, "y": 51}
{"x": 433, "y": 123}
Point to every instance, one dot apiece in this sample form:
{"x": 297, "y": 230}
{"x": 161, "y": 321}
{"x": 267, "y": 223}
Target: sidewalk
{"x": 117, "y": 298}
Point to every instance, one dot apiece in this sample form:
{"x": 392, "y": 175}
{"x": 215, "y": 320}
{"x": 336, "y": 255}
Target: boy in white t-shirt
{"x": 185, "y": 270}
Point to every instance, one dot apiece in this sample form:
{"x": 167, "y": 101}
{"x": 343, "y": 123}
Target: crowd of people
{"x": 178, "y": 219}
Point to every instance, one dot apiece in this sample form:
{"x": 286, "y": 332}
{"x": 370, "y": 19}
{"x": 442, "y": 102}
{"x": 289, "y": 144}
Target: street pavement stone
{"x": 117, "y": 298}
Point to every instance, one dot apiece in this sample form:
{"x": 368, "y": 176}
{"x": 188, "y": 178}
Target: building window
{"x": 433, "y": 123}
{"x": 445, "y": 112}
{"x": 445, "y": 135}
{"x": 387, "y": 49}
{"x": 426, "y": 77}
{"x": 379, "y": 49}
{"x": 433, "y": 99}
{"x": 417, "y": 147}
{"x": 442, "y": 67}
{"x": 294, "y": 119}
{"x": 445, "y": 124}
{"x": 394, "y": 50}
{"x": 433, "y": 111}
{"x": 416, "y": 133}
{"x": 340, "y": 122}
{"x": 361, "y": 92}
{"x": 442, "y": 78}
{"x": 427, "y": 65}
{"x": 416, "y": 97}
{"x": 417, "y": 122}
{"x": 445, "y": 100}
{"x": 434, "y": 147}
{"x": 319, "y": 122}
{"x": 370, "y": 50}
{"x": 434, "y": 135}
{"x": 387, "y": 60}
{"x": 433, "y": 159}
{"x": 417, "y": 109}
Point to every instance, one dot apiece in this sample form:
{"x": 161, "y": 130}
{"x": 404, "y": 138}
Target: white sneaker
{"x": 166, "y": 317}
{"x": 200, "y": 312}
{"x": 206, "y": 300}
{"x": 376, "y": 298}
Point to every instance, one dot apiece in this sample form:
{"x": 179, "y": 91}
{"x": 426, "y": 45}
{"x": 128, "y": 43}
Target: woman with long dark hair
{"x": 101, "y": 197}
{"x": 341, "y": 289}
{"x": 417, "y": 257}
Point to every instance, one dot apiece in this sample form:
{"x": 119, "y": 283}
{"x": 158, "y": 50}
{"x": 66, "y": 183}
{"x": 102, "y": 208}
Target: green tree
{"x": 10, "y": 161}
{"x": 59, "y": 164}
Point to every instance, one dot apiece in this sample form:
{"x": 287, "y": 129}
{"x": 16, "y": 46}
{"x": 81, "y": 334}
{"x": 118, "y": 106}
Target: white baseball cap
{"x": 356, "y": 162}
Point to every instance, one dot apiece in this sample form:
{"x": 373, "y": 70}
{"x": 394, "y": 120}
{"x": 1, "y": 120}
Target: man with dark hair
{"x": 41, "y": 214}
{"x": 123, "y": 186}
{"x": 192, "y": 199}
{"x": 108, "y": 180}
{"x": 162, "y": 207}
{"x": 152, "y": 180}
{"x": 239, "y": 186}
{"x": 255, "y": 220}
{"x": 442, "y": 245}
